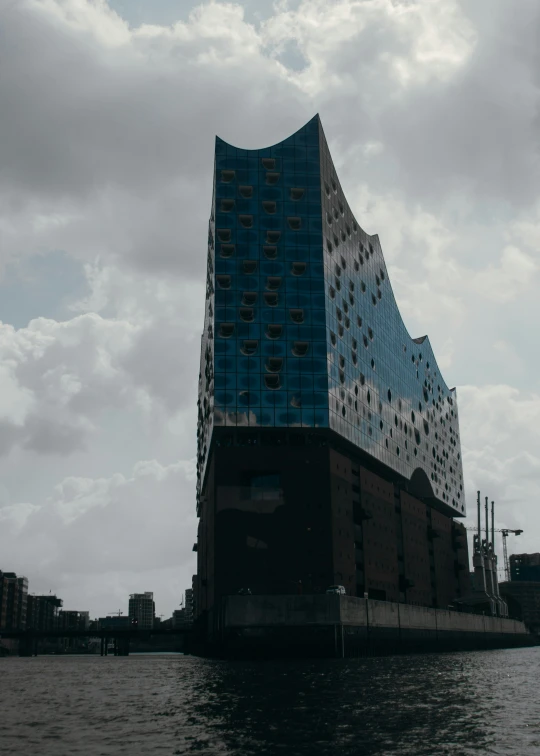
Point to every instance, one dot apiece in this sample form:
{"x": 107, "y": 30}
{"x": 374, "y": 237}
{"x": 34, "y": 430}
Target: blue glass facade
{"x": 301, "y": 325}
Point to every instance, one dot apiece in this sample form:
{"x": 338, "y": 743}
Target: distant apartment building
{"x": 43, "y": 612}
{"x": 142, "y": 609}
{"x": 73, "y": 620}
{"x": 525, "y": 567}
{"x": 13, "y": 601}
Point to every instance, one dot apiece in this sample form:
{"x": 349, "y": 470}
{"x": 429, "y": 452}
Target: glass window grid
{"x": 347, "y": 409}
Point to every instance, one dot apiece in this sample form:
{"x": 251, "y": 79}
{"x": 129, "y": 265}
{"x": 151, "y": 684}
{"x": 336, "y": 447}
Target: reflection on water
{"x": 470, "y": 703}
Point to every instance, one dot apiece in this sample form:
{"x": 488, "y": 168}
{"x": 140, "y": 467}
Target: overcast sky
{"x": 108, "y": 113}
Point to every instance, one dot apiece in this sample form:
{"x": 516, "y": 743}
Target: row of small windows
{"x": 247, "y": 314}
{"x": 273, "y": 283}
{"x": 227, "y": 204}
{"x": 272, "y": 236}
{"x": 273, "y": 330}
{"x": 249, "y": 267}
{"x": 268, "y": 164}
{"x": 250, "y": 347}
{"x": 246, "y": 221}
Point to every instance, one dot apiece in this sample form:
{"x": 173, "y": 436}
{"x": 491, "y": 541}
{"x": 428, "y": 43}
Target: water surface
{"x": 448, "y": 704}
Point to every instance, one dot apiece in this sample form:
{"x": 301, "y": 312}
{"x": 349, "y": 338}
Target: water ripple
{"x": 449, "y": 705}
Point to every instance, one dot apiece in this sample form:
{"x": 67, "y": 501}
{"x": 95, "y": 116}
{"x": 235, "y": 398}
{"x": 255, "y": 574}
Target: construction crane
{"x": 119, "y": 613}
{"x": 505, "y": 533}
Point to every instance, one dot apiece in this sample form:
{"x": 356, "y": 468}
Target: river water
{"x": 445, "y": 704}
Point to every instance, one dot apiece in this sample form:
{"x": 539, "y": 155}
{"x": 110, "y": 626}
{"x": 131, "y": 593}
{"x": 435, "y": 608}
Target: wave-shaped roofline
{"x": 423, "y": 340}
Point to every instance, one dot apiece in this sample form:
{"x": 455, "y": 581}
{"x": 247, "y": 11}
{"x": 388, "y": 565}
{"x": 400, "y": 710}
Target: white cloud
{"x": 106, "y": 147}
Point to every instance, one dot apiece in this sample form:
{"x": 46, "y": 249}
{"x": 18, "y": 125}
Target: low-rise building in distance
{"x": 525, "y": 567}
{"x": 523, "y": 598}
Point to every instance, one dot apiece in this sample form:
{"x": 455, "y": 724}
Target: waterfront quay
{"x": 340, "y": 626}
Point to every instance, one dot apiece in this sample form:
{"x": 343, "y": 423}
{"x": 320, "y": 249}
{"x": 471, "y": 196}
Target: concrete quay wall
{"x": 346, "y": 625}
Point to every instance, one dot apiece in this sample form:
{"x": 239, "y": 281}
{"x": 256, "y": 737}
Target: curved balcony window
{"x": 348, "y": 230}
{"x": 347, "y": 323}
{"x": 272, "y": 237}
{"x": 272, "y": 382}
{"x": 227, "y": 250}
{"x": 271, "y": 300}
{"x": 300, "y": 348}
{"x": 329, "y": 246}
{"x": 332, "y": 292}
{"x": 336, "y": 241}
{"x": 341, "y": 361}
{"x": 274, "y": 364}
{"x": 269, "y": 207}
{"x": 274, "y": 330}
{"x": 249, "y": 298}
{"x": 269, "y": 163}
{"x": 249, "y": 347}
{"x": 273, "y": 283}
{"x": 295, "y": 223}
{"x": 270, "y": 252}
{"x": 224, "y": 234}
{"x": 296, "y": 401}
{"x": 362, "y": 286}
{"x": 341, "y": 208}
{"x": 226, "y": 205}
{"x": 326, "y": 189}
{"x": 227, "y": 176}
{"x": 226, "y": 330}
{"x": 298, "y": 268}
{"x": 329, "y": 219}
{"x": 246, "y": 221}
{"x": 343, "y": 236}
{"x": 341, "y": 376}
{"x": 224, "y": 282}
{"x": 249, "y": 267}
{"x": 296, "y": 193}
{"x": 333, "y": 338}
{"x": 297, "y": 316}
{"x": 247, "y": 397}
{"x": 272, "y": 178}
{"x": 354, "y": 358}
{"x": 247, "y": 314}
{"x": 246, "y": 191}
{"x": 339, "y": 314}
{"x": 340, "y": 331}
{"x": 354, "y": 344}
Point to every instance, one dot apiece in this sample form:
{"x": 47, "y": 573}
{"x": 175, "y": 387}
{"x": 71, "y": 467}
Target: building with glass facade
{"x": 328, "y": 441}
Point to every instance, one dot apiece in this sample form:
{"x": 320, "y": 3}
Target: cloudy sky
{"x": 108, "y": 112}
